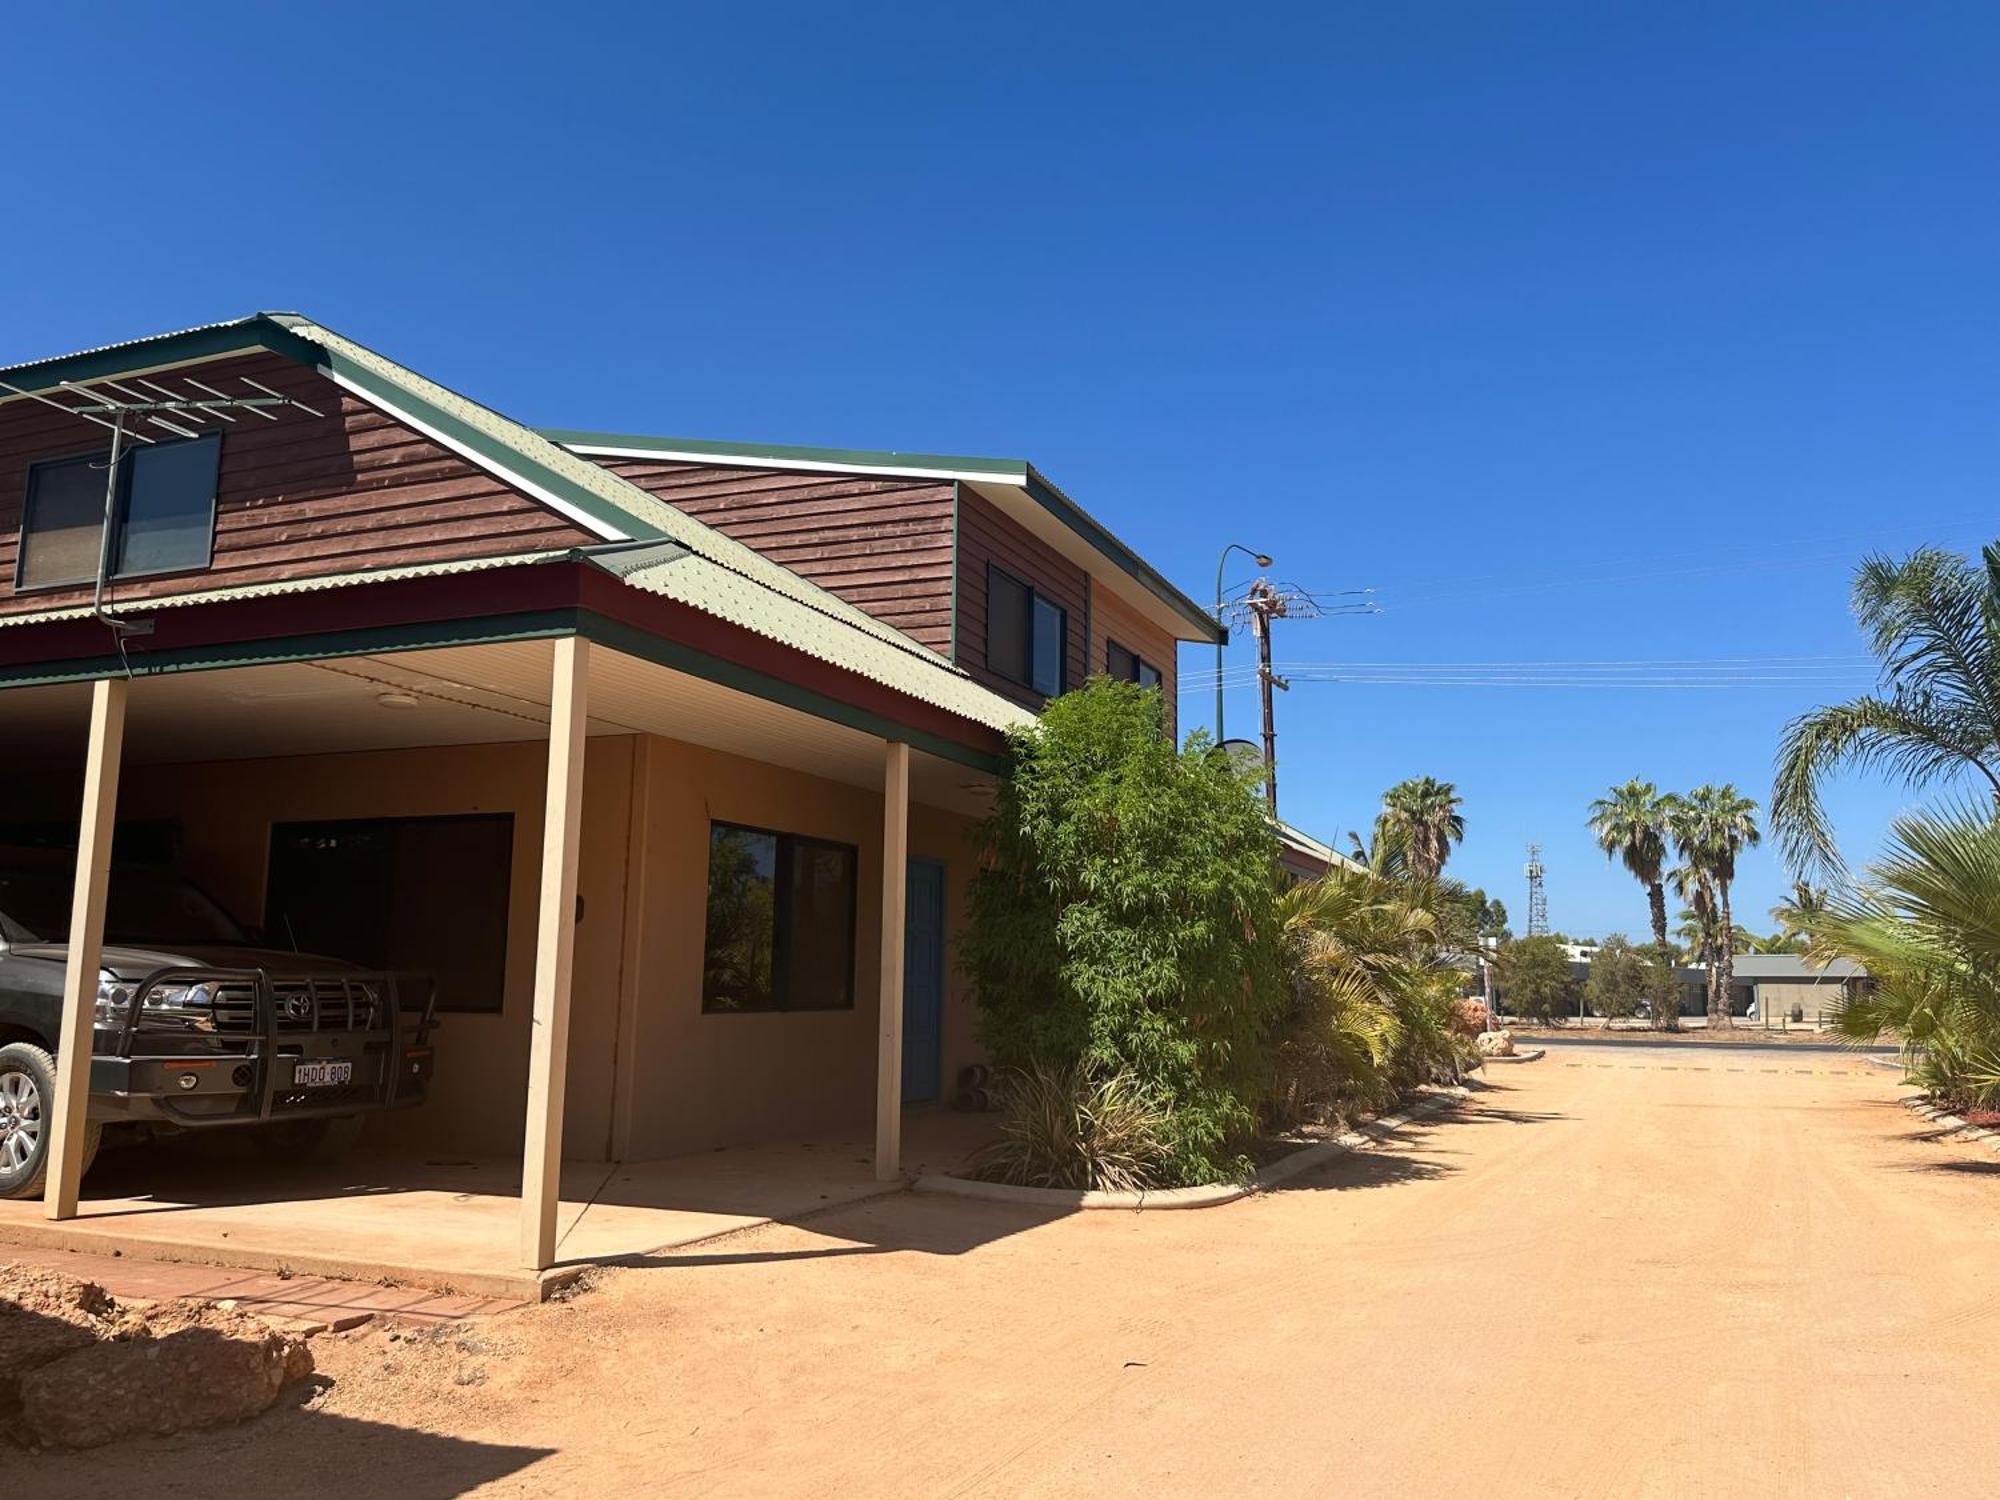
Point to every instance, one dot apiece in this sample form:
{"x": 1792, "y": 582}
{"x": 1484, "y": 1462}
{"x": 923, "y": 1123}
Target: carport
{"x": 615, "y": 702}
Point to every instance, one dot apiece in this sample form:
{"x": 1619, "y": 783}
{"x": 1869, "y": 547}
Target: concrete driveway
{"x": 1647, "y": 1272}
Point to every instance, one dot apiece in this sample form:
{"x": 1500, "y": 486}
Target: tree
{"x": 1925, "y": 924}
{"x": 1696, "y": 926}
{"x": 1933, "y": 622}
{"x": 1126, "y": 918}
{"x": 1421, "y": 815}
{"x": 1662, "y": 988}
{"x": 1372, "y": 995}
{"x": 1617, "y": 982}
{"x": 1535, "y": 978}
{"x": 1795, "y": 916}
{"x": 1778, "y": 942}
{"x": 1466, "y": 915}
{"x": 1711, "y": 825}
{"x": 1630, "y": 824}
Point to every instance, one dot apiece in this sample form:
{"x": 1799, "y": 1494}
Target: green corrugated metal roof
{"x": 715, "y": 573}
{"x": 1016, "y": 473}
{"x": 280, "y": 587}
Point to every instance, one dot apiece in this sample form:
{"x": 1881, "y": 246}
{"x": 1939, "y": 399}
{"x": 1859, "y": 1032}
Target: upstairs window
{"x": 1027, "y": 635}
{"x": 1129, "y": 666}
{"x": 163, "y": 515}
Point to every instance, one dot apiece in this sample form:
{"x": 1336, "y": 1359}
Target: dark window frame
{"x": 781, "y": 900}
{"x": 1034, "y": 596}
{"x": 120, "y": 511}
{"x": 507, "y": 820}
{"x": 1140, "y": 666}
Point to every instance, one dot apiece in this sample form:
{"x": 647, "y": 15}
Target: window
{"x": 424, "y": 896}
{"x": 1027, "y": 635}
{"x": 781, "y": 912}
{"x": 163, "y": 519}
{"x": 1129, "y": 666}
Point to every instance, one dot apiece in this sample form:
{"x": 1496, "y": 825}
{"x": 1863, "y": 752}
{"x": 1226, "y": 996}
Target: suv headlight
{"x": 191, "y": 1005}
{"x": 113, "y": 1000}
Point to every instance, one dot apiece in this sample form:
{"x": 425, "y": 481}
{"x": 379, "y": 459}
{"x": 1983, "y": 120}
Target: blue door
{"x": 923, "y": 982}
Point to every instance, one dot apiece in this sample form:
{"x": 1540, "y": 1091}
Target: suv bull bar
{"x": 271, "y": 1049}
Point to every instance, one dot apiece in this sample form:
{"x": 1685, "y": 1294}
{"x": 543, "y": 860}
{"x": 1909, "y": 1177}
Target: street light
{"x": 1263, "y": 561}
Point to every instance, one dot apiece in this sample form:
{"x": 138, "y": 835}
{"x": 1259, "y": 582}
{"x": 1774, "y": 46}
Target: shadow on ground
{"x": 291, "y": 1449}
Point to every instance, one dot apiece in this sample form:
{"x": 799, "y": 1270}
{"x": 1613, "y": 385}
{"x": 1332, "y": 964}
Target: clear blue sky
{"x": 1581, "y": 331}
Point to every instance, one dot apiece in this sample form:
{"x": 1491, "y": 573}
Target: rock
{"x": 45, "y": 1315}
{"x": 1468, "y": 1016}
{"x": 184, "y": 1365}
{"x": 1495, "y": 1043}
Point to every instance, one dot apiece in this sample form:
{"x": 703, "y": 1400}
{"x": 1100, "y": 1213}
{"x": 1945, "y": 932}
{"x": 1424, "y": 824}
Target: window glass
{"x": 1129, "y": 666}
{"x": 169, "y": 512}
{"x": 421, "y": 896}
{"x": 780, "y": 922}
{"x": 819, "y": 958}
{"x": 1007, "y": 626}
{"x": 737, "y": 971}
{"x": 64, "y": 518}
{"x": 1048, "y": 648}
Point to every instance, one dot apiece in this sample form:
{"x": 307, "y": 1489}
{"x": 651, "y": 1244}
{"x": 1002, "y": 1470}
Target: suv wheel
{"x": 27, "y": 1096}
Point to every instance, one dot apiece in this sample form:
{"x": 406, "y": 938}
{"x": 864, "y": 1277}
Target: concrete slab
{"x": 451, "y": 1226}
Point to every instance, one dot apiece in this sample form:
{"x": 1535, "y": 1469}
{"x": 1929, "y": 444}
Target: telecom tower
{"x": 1538, "y": 898}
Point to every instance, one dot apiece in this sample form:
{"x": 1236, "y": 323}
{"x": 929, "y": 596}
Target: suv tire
{"x": 27, "y": 1097}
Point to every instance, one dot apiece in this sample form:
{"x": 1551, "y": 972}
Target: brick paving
{"x": 304, "y": 1304}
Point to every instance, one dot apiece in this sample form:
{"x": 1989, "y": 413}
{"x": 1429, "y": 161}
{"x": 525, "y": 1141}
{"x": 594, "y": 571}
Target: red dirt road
{"x": 1642, "y": 1272}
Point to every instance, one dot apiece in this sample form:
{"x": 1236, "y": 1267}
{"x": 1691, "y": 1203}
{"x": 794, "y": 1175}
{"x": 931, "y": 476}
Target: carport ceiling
{"x": 461, "y": 695}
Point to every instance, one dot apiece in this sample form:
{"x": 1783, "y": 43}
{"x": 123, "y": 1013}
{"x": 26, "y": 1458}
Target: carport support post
{"x": 70, "y": 1108}
{"x": 555, "y": 948}
{"x": 895, "y": 875}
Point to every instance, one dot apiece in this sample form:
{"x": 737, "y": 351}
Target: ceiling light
{"x": 398, "y": 700}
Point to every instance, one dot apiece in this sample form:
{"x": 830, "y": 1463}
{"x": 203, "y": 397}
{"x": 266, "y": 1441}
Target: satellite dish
{"x": 1244, "y": 755}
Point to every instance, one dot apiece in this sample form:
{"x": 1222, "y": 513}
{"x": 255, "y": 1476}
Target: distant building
{"x": 1777, "y": 983}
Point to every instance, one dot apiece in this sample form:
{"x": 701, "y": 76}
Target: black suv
{"x": 195, "y": 1028}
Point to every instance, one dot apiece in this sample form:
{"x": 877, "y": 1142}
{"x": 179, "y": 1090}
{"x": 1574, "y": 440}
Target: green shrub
{"x": 1374, "y": 1007}
{"x": 1616, "y": 987}
{"x": 1064, "y": 1128}
{"x": 1925, "y": 924}
{"x": 1535, "y": 978}
{"x": 1125, "y": 920}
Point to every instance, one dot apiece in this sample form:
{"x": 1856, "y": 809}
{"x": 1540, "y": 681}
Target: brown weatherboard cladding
{"x": 297, "y": 497}
{"x": 882, "y": 544}
{"x": 985, "y": 536}
{"x": 1111, "y": 619}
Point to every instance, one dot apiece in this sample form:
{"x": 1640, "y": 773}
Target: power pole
{"x": 1265, "y": 605}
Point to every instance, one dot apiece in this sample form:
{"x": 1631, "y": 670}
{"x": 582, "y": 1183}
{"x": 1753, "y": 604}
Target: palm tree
{"x": 1422, "y": 815}
{"x": 1697, "y": 926}
{"x": 1711, "y": 826}
{"x": 1372, "y": 993}
{"x": 1631, "y": 825}
{"x": 1795, "y": 917}
{"x": 1933, "y": 622}
{"x": 1926, "y": 927}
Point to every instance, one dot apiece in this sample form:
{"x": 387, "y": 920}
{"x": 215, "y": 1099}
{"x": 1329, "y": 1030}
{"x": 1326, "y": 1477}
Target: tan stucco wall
{"x": 226, "y": 811}
{"x": 716, "y": 1079}
{"x": 1815, "y": 998}
{"x": 649, "y": 1073}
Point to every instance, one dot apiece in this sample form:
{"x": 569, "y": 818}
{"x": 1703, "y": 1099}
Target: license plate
{"x": 321, "y": 1075}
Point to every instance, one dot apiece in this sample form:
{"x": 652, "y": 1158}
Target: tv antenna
{"x": 123, "y": 408}
{"x": 1538, "y": 896}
